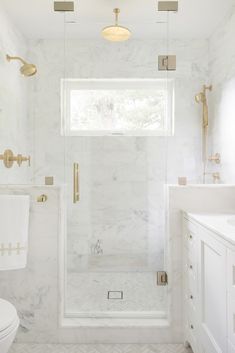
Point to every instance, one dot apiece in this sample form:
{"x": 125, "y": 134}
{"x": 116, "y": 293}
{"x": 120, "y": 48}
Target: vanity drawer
{"x": 191, "y": 295}
{"x": 190, "y": 240}
{"x": 190, "y": 267}
{"x": 231, "y": 347}
{"x": 231, "y": 319}
{"x": 191, "y": 227}
{"x": 191, "y": 333}
{"x": 231, "y": 272}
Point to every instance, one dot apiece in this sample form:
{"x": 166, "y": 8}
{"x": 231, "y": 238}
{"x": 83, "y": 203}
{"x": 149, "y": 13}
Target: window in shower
{"x": 117, "y": 107}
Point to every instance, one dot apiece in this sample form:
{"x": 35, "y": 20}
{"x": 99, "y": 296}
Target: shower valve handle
{"x": 20, "y": 159}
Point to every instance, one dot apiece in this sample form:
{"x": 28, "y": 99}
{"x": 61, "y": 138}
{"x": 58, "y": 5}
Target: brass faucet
{"x": 215, "y": 176}
{"x": 8, "y": 159}
{"x": 215, "y": 158}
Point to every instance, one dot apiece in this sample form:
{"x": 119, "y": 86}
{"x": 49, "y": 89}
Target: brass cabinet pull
{"x": 76, "y": 195}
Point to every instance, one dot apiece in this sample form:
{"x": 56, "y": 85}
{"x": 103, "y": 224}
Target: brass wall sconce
{"x": 8, "y": 159}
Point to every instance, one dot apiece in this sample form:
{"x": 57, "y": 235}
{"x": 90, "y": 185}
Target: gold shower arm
{"x": 9, "y": 58}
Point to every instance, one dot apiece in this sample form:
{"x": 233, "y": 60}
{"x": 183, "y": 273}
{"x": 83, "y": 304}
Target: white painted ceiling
{"x": 195, "y": 19}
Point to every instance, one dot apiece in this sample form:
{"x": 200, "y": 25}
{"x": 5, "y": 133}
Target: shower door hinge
{"x": 167, "y": 62}
{"x": 162, "y": 278}
{"x": 168, "y": 6}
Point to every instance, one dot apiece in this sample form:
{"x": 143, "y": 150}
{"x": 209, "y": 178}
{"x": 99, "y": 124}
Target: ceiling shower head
{"x": 27, "y": 69}
{"x": 116, "y": 33}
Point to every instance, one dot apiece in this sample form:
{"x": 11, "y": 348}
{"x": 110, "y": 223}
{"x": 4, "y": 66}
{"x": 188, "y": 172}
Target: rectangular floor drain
{"x": 115, "y": 294}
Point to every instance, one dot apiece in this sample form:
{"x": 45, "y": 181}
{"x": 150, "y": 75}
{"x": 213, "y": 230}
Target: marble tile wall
{"x": 15, "y": 133}
{"x": 222, "y": 76}
{"x": 34, "y": 290}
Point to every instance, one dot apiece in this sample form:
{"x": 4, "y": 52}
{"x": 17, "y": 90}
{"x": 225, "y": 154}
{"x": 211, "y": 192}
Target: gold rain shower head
{"x": 116, "y": 33}
{"x": 27, "y": 69}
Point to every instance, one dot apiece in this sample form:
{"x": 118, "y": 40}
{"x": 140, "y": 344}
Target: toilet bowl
{"x": 9, "y": 323}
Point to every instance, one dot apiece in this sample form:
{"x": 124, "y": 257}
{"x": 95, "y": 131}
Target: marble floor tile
{"x": 139, "y": 292}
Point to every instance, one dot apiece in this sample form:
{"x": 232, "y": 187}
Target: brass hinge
{"x": 167, "y": 62}
{"x": 64, "y": 6}
{"x": 162, "y": 278}
{"x": 168, "y": 6}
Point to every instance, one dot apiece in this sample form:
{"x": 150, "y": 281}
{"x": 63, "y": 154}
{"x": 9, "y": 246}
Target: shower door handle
{"x": 76, "y": 195}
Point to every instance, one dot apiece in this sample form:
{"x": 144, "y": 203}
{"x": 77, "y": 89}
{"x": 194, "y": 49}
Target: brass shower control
{"x": 216, "y": 158}
{"x": 8, "y": 159}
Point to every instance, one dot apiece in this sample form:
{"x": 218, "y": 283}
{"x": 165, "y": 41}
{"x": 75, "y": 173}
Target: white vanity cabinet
{"x": 209, "y": 286}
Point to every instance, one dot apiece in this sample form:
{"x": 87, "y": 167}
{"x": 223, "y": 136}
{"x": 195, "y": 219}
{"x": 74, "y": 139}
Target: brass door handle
{"x": 76, "y": 195}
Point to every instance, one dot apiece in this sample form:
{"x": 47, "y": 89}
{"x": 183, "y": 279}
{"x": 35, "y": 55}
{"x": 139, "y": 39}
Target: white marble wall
{"x": 14, "y": 120}
{"x": 35, "y": 290}
{"x": 222, "y": 76}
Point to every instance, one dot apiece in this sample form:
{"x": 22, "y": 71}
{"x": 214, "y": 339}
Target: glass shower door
{"x": 116, "y": 228}
{"x": 115, "y": 235}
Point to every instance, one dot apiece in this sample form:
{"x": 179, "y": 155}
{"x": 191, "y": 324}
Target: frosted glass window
{"x": 125, "y": 107}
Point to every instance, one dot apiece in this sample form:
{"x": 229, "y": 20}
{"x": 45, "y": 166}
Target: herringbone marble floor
{"x": 99, "y": 348}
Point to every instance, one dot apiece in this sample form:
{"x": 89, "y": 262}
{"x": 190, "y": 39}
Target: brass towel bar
{"x": 76, "y": 194}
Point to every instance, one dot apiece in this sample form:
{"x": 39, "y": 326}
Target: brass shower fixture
{"x": 201, "y": 98}
{"x": 116, "y": 33}
{"x": 9, "y": 158}
{"x": 27, "y": 69}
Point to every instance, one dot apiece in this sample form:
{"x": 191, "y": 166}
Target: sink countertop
{"x": 221, "y": 224}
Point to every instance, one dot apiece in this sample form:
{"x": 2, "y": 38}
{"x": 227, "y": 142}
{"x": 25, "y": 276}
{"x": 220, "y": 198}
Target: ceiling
{"x": 195, "y": 19}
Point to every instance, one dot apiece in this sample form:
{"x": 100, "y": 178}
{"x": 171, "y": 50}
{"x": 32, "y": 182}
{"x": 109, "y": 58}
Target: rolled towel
{"x": 14, "y": 231}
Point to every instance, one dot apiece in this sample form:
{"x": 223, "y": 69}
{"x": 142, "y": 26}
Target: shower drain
{"x": 115, "y": 295}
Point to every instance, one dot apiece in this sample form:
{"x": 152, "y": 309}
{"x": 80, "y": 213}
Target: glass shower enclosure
{"x": 116, "y": 117}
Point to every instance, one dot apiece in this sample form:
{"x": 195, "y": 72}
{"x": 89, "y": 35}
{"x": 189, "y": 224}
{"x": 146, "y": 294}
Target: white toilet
{"x": 9, "y": 323}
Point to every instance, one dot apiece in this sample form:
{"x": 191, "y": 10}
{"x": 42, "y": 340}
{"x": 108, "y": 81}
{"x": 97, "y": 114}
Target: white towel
{"x": 14, "y": 229}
